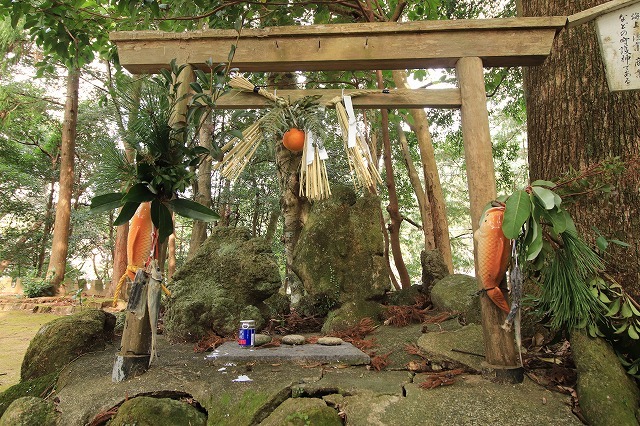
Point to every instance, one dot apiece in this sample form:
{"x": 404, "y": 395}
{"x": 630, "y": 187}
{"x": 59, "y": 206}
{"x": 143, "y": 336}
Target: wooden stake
{"x": 500, "y": 353}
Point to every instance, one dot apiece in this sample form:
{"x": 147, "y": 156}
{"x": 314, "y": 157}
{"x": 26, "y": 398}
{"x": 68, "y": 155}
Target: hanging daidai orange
{"x": 293, "y": 139}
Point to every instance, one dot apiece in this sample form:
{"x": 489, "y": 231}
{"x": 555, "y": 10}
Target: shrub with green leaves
{"x": 35, "y": 287}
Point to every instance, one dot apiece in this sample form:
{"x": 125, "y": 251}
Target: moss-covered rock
{"x": 34, "y": 387}
{"x": 433, "y": 267}
{"x": 457, "y": 293}
{"x": 340, "y": 251}
{"x": 64, "y": 339}
{"x": 607, "y": 395}
{"x": 302, "y": 412}
{"x": 227, "y": 280}
{"x": 404, "y": 297}
{"x": 147, "y": 411}
{"x": 350, "y": 314}
{"x": 29, "y": 411}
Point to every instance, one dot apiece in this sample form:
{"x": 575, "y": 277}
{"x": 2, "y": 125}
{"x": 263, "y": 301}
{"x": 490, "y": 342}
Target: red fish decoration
{"x": 140, "y": 239}
{"x": 494, "y": 250}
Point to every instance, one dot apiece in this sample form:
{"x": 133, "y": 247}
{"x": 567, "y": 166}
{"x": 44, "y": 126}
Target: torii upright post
{"x": 501, "y": 360}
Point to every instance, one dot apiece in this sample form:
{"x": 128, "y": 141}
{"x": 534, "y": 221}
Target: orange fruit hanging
{"x": 293, "y": 139}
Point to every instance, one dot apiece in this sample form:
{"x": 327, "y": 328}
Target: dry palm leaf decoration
{"x": 287, "y": 119}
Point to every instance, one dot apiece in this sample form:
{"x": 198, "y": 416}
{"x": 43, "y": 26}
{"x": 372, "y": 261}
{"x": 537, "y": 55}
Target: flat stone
{"x": 262, "y": 339}
{"x": 457, "y": 348}
{"x": 344, "y": 354}
{"x": 330, "y": 341}
{"x": 293, "y": 339}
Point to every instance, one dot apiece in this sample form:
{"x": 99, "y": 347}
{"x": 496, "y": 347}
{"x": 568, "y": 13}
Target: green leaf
{"x": 517, "y": 211}
{"x": 558, "y": 220}
{"x": 635, "y": 311}
{"x": 106, "y": 202}
{"x": 620, "y": 243}
{"x": 192, "y": 210}
{"x": 614, "y": 308}
{"x": 545, "y": 196}
{"x": 602, "y": 243}
{"x": 603, "y": 298}
{"x": 633, "y": 333}
{"x": 162, "y": 220}
{"x": 622, "y": 328}
{"x": 535, "y": 246}
{"x": 139, "y": 193}
{"x": 127, "y": 212}
{"x": 626, "y": 311}
{"x": 546, "y": 183}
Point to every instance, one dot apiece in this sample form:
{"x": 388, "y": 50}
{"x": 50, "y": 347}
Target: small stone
{"x": 261, "y": 339}
{"x": 293, "y": 339}
{"x": 330, "y": 341}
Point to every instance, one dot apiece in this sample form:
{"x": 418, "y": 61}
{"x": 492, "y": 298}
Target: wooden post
{"x": 500, "y": 353}
{"x": 135, "y": 350}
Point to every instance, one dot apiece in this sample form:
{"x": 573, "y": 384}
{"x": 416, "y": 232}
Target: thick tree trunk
{"x": 392, "y": 208}
{"x": 203, "y": 194}
{"x": 60, "y": 243}
{"x": 433, "y": 188}
{"x": 573, "y": 122}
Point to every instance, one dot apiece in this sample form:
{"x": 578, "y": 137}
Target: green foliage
{"x": 35, "y": 287}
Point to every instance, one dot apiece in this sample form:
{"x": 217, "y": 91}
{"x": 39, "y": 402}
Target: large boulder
{"x": 64, "y": 339}
{"x": 303, "y": 411}
{"x": 29, "y": 411}
{"x": 34, "y": 387}
{"x": 608, "y": 396}
{"x": 457, "y": 293}
{"x": 227, "y": 280}
{"x": 147, "y": 411}
{"x": 339, "y": 254}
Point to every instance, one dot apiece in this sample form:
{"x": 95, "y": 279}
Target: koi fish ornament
{"x": 140, "y": 239}
{"x": 493, "y": 251}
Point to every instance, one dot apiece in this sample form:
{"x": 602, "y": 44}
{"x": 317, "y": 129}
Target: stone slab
{"x": 345, "y": 353}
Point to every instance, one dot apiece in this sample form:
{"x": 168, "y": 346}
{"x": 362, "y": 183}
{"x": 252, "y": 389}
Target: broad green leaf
{"x": 558, "y": 220}
{"x": 535, "y": 246}
{"x": 544, "y": 195}
{"x": 546, "y": 183}
{"x": 620, "y": 243}
{"x": 602, "y": 243}
{"x": 614, "y": 308}
{"x": 517, "y": 211}
{"x": 622, "y": 328}
{"x": 139, "y": 193}
{"x": 626, "y": 311}
{"x": 633, "y": 333}
{"x": 127, "y": 212}
{"x": 106, "y": 202}
{"x": 603, "y": 298}
{"x": 192, "y": 210}
{"x": 162, "y": 220}
{"x": 635, "y": 311}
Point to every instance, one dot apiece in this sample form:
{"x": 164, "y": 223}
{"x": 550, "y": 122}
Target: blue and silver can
{"x": 247, "y": 333}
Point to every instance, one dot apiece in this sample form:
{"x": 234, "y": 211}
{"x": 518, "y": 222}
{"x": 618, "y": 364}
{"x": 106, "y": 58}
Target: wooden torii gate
{"x": 466, "y": 45}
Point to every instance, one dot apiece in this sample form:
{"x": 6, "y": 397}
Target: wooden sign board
{"x": 619, "y": 35}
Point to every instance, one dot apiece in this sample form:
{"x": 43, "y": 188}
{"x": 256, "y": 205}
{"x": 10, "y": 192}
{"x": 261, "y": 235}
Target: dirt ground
{"x": 17, "y": 328}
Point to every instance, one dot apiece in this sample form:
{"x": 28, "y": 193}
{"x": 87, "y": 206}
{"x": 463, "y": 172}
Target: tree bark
{"x": 60, "y": 243}
{"x": 392, "y": 208}
{"x": 203, "y": 194}
{"x": 573, "y": 122}
{"x": 433, "y": 188}
{"x": 48, "y": 224}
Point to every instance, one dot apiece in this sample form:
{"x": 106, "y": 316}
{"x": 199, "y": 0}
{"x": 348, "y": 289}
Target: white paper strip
{"x": 311, "y": 150}
{"x": 348, "y": 106}
{"x": 322, "y": 153}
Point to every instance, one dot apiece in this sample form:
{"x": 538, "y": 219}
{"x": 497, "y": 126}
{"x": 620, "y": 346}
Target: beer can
{"x": 247, "y": 333}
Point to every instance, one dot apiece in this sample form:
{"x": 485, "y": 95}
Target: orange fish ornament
{"x": 494, "y": 251}
{"x": 139, "y": 240}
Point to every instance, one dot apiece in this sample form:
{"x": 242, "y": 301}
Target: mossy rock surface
{"x": 62, "y": 340}
{"x": 303, "y": 412}
{"x": 607, "y": 395}
{"x": 147, "y": 411}
{"x": 350, "y": 314}
{"x": 29, "y": 411}
{"x": 433, "y": 267}
{"x": 227, "y": 281}
{"x": 34, "y": 387}
{"x": 457, "y": 293}
{"x": 340, "y": 250}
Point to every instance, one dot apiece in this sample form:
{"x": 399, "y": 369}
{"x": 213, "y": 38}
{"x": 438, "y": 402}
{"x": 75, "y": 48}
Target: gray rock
{"x": 303, "y": 411}
{"x": 468, "y": 339}
{"x": 340, "y": 250}
{"x": 330, "y": 341}
{"x": 433, "y": 267}
{"x": 456, "y": 293}
{"x": 350, "y": 314}
{"x": 608, "y": 396}
{"x": 227, "y": 280}
{"x": 262, "y": 339}
{"x": 293, "y": 339}
{"x": 64, "y": 339}
{"x": 29, "y": 411}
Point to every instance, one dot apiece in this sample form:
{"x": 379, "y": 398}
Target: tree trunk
{"x": 48, "y": 224}
{"x": 433, "y": 188}
{"x": 573, "y": 122}
{"x": 392, "y": 208}
{"x": 60, "y": 243}
{"x": 203, "y": 194}
{"x": 274, "y": 217}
